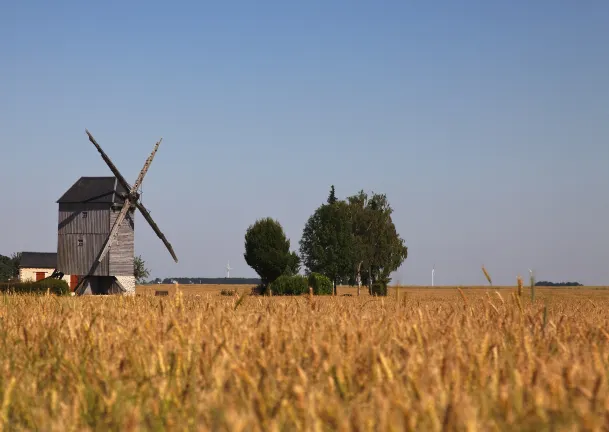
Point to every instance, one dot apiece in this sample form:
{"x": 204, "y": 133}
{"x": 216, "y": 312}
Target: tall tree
{"x": 378, "y": 248}
{"x": 327, "y": 242}
{"x": 267, "y": 250}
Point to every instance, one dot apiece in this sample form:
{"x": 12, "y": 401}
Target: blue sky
{"x": 485, "y": 123}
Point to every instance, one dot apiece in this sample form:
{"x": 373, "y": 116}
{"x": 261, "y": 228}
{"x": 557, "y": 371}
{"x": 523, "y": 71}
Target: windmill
{"x": 433, "y": 269}
{"x": 228, "y": 269}
{"x": 96, "y": 229}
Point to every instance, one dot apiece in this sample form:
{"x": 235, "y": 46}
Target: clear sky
{"x": 485, "y": 123}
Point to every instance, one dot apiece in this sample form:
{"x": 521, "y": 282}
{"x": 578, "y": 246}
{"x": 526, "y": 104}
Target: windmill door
{"x": 73, "y": 282}
{"x": 39, "y": 276}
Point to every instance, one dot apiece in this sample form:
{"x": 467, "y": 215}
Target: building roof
{"x": 38, "y": 260}
{"x": 94, "y": 190}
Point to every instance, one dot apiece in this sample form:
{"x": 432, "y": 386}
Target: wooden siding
{"x": 78, "y": 260}
{"x": 71, "y": 220}
{"x": 92, "y": 230}
{"x": 122, "y": 250}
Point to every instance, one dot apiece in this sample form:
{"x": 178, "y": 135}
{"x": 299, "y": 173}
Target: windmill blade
{"x": 106, "y": 159}
{"x": 140, "y": 178}
{"x": 115, "y": 227}
{"x": 156, "y": 229}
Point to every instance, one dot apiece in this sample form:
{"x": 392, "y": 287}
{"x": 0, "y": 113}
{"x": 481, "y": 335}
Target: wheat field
{"x": 441, "y": 359}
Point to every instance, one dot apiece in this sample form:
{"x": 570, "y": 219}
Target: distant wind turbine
{"x": 228, "y": 269}
{"x": 433, "y": 269}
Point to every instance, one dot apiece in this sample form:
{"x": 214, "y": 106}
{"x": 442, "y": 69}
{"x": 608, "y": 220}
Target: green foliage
{"x": 378, "y": 288}
{"x": 322, "y": 285}
{"x": 378, "y": 248}
{"x": 267, "y": 251}
{"x": 332, "y": 196}
{"x": 290, "y": 285}
{"x": 6, "y": 269}
{"x": 557, "y": 284}
{"x": 344, "y": 238}
{"x": 327, "y": 243}
{"x": 259, "y": 289}
{"x": 293, "y": 265}
{"x": 9, "y": 266}
{"x": 139, "y": 269}
{"x": 55, "y": 286}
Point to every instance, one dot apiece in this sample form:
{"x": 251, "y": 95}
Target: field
{"x": 419, "y": 359}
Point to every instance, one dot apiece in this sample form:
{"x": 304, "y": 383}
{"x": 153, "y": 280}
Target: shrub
{"x": 258, "y": 290}
{"x": 228, "y": 292}
{"x": 378, "y": 288}
{"x": 290, "y": 285}
{"x": 55, "y": 286}
{"x": 322, "y": 285}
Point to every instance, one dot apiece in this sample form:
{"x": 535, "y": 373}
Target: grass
{"x": 440, "y": 359}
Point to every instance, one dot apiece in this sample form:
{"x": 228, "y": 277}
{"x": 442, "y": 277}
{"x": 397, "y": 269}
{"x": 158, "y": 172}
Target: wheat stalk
{"x": 488, "y": 277}
{"x": 519, "y": 281}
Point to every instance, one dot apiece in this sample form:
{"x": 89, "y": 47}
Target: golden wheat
{"x": 434, "y": 360}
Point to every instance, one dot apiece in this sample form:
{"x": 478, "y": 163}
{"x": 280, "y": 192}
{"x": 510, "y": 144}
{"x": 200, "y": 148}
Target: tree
{"x": 6, "y": 268}
{"x": 267, "y": 251}
{"x": 332, "y": 196}
{"x": 9, "y": 266}
{"x": 139, "y": 269}
{"x": 378, "y": 249}
{"x": 326, "y": 245}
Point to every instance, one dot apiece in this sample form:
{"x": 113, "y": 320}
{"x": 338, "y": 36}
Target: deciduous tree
{"x": 9, "y": 266}
{"x": 378, "y": 248}
{"x": 267, "y": 250}
{"x": 326, "y": 245}
{"x": 139, "y": 269}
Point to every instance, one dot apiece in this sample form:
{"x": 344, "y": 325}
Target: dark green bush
{"x": 258, "y": 290}
{"x": 378, "y": 289}
{"x": 322, "y": 285}
{"x": 55, "y": 286}
{"x": 290, "y": 285}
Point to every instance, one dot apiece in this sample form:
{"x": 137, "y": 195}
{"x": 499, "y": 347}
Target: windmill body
{"x": 87, "y": 212}
{"x": 96, "y": 230}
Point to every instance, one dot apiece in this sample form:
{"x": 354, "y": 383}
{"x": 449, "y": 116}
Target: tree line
{"x": 205, "y": 281}
{"x": 557, "y": 284}
{"x": 351, "y": 241}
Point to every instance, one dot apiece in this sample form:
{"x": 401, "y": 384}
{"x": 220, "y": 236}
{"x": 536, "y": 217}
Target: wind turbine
{"x": 433, "y": 269}
{"x": 228, "y": 269}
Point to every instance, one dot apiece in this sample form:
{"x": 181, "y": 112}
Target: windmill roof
{"x": 38, "y": 260}
{"x": 94, "y": 190}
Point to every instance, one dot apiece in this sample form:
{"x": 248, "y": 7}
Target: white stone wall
{"x": 127, "y": 282}
{"x": 29, "y": 274}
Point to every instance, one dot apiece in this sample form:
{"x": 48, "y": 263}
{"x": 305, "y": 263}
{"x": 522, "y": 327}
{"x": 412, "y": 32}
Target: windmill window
{"x": 80, "y": 242}
{"x": 85, "y": 214}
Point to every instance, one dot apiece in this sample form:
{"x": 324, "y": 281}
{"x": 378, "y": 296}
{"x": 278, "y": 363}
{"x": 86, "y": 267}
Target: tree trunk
{"x": 335, "y": 289}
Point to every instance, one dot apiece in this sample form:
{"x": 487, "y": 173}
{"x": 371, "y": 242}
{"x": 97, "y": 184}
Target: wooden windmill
{"x": 96, "y": 230}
